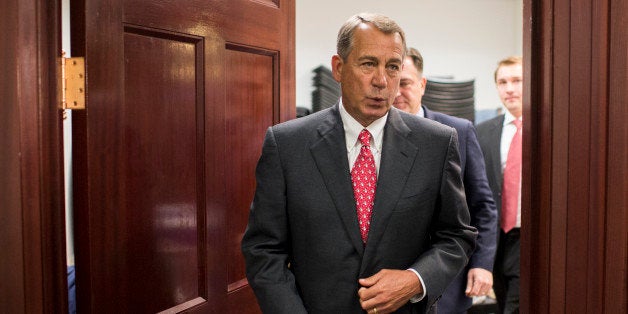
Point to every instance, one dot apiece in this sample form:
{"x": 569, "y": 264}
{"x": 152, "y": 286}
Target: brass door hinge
{"x": 73, "y": 83}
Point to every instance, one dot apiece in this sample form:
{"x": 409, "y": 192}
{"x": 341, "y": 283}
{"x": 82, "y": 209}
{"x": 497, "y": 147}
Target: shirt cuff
{"x": 417, "y": 298}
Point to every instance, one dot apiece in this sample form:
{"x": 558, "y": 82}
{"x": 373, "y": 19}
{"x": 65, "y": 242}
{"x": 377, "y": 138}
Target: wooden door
{"x": 179, "y": 94}
{"x": 574, "y": 238}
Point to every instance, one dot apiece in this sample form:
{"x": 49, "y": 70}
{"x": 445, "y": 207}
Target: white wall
{"x": 463, "y": 38}
{"x": 67, "y": 140}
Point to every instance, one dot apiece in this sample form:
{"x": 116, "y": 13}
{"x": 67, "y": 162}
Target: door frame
{"x": 33, "y": 270}
{"x": 573, "y": 238}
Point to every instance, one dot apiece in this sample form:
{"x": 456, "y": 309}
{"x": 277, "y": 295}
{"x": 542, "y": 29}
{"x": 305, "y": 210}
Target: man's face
{"x": 411, "y": 88}
{"x": 369, "y": 78}
{"x": 510, "y": 87}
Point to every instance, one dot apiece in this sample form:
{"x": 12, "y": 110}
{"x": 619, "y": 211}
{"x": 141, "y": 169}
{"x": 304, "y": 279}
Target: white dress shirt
{"x": 352, "y": 130}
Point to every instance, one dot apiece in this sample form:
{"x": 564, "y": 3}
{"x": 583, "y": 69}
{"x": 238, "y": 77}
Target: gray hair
{"x": 383, "y": 23}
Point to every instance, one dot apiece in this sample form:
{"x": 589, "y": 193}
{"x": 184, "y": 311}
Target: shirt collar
{"x": 353, "y": 128}
{"x": 509, "y": 118}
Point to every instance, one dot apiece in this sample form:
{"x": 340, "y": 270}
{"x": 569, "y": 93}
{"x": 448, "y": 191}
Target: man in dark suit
{"x": 307, "y": 249}
{"x": 477, "y": 277}
{"x": 500, "y": 140}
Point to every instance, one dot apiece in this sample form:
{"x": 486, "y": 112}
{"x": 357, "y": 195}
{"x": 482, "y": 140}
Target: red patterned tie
{"x": 364, "y": 178}
{"x": 512, "y": 181}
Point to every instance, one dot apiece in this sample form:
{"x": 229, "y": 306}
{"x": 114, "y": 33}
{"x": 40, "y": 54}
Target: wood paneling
{"x": 574, "y": 149}
{"x": 163, "y": 209}
{"x": 32, "y": 266}
{"x": 178, "y": 99}
{"x": 615, "y": 288}
{"x": 250, "y": 110}
{"x": 12, "y": 293}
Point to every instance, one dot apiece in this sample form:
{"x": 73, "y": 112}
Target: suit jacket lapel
{"x": 398, "y": 155}
{"x": 330, "y": 156}
{"x": 428, "y": 113}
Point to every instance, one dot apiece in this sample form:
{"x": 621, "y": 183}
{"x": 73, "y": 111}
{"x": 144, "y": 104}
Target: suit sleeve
{"x": 452, "y": 238}
{"x": 266, "y": 241}
{"x": 480, "y": 202}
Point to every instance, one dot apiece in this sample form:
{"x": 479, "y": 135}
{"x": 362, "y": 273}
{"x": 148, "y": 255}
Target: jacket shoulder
{"x": 310, "y": 123}
{"x": 488, "y": 124}
{"x": 459, "y": 123}
{"x": 424, "y": 125}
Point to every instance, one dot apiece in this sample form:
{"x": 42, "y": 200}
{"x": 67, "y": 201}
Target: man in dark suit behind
{"x": 306, "y": 249}
{"x": 477, "y": 277}
{"x": 496, "y": 136}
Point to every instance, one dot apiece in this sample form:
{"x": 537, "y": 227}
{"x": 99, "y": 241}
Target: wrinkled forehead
{"x": 368, "y": 38}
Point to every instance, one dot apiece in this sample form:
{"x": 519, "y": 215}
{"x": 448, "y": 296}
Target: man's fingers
{"x": 388, "y": 290}
{"x": 479, "y": 282}
{"x": 469, "y": 283}
{"x": 478, "y": 289}
{"x": 370, "y": 281}
{"x": 474, "y": 288}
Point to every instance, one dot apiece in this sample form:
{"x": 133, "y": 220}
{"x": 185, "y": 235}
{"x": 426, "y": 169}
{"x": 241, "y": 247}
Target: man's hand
{"x": 479, "y": 282}
{"x": 388, "y": 290}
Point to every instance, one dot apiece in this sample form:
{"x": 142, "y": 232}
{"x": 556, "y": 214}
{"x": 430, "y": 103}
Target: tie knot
{"x": 365, "y": 137}
{"x": 517, "y": 123}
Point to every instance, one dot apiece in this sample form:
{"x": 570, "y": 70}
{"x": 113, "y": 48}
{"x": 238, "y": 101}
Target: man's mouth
{"x": 377, "y": 100}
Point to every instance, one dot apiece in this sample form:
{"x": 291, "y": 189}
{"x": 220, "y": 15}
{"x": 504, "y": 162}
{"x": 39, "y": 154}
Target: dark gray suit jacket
{"x": 302, "y": 245}
{"x": 490, "y": 137}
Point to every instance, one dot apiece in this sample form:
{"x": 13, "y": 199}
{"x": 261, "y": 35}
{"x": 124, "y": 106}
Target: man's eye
{"x": 393, "y": 67}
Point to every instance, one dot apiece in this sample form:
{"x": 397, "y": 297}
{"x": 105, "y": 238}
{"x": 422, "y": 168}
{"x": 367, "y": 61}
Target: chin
{"x": 377, "y": 113}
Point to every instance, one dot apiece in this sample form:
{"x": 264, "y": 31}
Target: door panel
{"x": 179, "y": 95}
{"x": 253, "y": 72}
{"x": 164, "y": 177}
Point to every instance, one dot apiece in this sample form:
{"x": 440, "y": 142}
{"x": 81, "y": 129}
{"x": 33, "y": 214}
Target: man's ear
{"x": 423, "y": 85}
{"x": 336, "y": 67}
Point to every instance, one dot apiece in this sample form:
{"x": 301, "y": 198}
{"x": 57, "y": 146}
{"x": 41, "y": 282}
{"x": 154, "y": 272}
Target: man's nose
{"x": 510, "y": 86}
{"x": 379, "y": 78}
